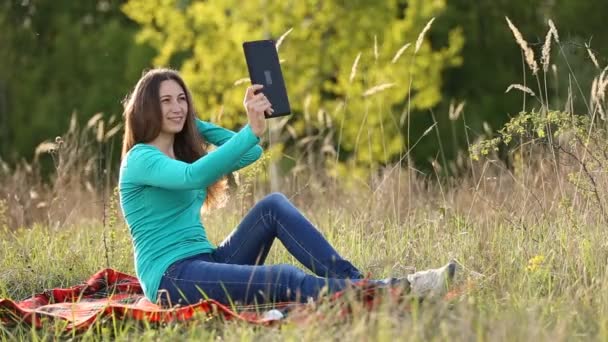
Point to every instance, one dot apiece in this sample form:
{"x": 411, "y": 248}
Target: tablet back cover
{"x": 264, "y": 68}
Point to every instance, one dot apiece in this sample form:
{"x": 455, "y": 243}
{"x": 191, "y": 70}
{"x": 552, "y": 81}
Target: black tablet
{"x": 264, "y": 68}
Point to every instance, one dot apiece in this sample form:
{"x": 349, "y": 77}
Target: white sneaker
{"x": 432, "y": 283}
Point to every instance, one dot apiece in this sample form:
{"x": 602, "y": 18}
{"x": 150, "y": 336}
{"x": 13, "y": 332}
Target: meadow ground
{"x": 534, "y": 247}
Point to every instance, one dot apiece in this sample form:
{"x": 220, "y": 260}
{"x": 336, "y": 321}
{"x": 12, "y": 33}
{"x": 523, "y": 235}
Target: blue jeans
{"x": 234, "y": 272}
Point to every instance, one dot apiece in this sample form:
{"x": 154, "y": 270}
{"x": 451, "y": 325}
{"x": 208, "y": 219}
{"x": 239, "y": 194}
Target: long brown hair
{"x": 143, "y": 122}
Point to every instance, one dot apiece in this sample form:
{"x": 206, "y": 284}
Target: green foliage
{"x": 64, "y": 56}
{"x": 334, "y": 53}
{"x": 59, "y": 57}
{"x": 532, "y": 127}
{"x": 576, "y": 141}
{"x": 584, "y": 20}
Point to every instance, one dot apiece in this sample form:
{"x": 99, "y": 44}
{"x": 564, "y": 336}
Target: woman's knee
{"x": 289, "y": 275}
{"x": 274, "y": 200}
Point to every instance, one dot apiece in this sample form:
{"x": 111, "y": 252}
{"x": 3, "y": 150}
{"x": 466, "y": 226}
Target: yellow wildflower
{"x": 535, "y": 262}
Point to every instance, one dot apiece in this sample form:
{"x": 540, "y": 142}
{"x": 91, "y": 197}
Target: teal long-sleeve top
{"x": 161, "y": 198}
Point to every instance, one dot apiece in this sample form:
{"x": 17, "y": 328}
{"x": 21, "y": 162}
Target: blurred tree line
{"x": 360, "y": 94}
{"x": 60, "y": 57}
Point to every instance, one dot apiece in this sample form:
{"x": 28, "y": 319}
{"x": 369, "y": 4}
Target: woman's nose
{"x": 175, "y": 107}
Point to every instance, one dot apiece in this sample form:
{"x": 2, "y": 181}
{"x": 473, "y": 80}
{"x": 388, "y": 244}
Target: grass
{"x": 537, "y": 276}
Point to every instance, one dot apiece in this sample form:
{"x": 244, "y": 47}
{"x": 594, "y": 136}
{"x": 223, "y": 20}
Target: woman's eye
{"x": 182, "y": 99}
{"x": 164, "y": 100}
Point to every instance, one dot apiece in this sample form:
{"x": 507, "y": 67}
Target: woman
{"x": 165, "y": 177}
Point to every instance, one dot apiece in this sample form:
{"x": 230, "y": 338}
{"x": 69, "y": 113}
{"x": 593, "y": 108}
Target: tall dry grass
{"x": 80, "y": 180}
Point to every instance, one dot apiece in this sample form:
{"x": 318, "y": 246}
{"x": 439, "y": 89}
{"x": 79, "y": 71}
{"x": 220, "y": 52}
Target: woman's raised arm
{"x": 146, "y": 165}
{"x": 217, "y": 136}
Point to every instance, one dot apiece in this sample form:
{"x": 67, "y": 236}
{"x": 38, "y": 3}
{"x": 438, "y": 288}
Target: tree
{"x": 59, "y": 57}
{"x": 203, "y": 40}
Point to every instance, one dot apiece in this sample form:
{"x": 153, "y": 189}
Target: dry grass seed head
{"x": 112, "y": 132}
{"x": 375, "y": 47}
{"x": 241, "y": 81}
{"x": 598, "y": 93}
{"x": 603, "y": 84}
{"x": 596, "y": 104}
{"x": 546, "y": 53}
{"x": 520, "y": 87}
{"x": 45, "y": 147}
{"x": 594, "y": 88}
{"x": 100, "y": 131}
{"x": 600, "y": 109}
{"x": 280, "y": 40}
{"x": 73, "y": 122}
{"x": 528, "y": 53}
{"x": 378, "y": 88}
{"x": 421, "y": 35}
{"x": 592, "y": 56}
{"x": 400, "y": 52}
{"x": 553, "y": 29}
{"x": 454, "y": 113}
{"x": 93, "y": 120}
{"x": 353, "y": 70}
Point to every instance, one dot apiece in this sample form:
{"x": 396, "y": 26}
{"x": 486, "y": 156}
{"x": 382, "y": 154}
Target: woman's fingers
{"x": 262, "y": 107}
{"x": 259, "y": 97}
{"x": 260, "y": 102}
{"x": 250, "y": 93}
{"x": 257, "y": 103}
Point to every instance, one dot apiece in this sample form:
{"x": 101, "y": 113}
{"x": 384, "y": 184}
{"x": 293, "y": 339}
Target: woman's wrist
{"x": 253, "y": 132}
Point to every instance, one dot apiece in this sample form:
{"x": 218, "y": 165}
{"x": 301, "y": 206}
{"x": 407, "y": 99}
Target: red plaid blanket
{"x": 110, "y": 293}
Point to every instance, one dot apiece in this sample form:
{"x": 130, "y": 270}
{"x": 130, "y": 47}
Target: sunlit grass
{"x": 535, "y": 278}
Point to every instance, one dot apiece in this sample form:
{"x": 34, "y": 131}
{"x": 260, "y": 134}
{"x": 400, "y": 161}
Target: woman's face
{"x": 173, "y": 105}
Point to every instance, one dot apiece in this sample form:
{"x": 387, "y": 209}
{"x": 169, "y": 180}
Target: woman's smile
{"x": 177, "y": 119}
